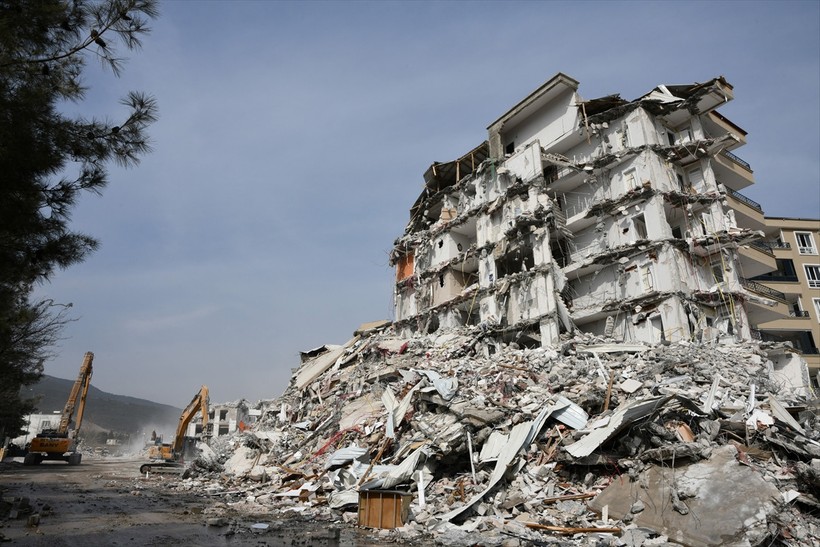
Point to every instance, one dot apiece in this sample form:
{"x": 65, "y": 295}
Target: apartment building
{"x": 793, "y": 242}
{"x": 616, "y": 217}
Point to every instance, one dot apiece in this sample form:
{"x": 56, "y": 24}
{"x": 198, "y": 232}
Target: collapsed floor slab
{"x": 713, "y": 502}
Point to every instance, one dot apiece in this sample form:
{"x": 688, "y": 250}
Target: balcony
{"x": 732, "y": 173}
{"x": 740, "y": 197}
{"x": 757, "y": 259}
{"x": 748, "y": 213}
{"x": 763, "y": 290}
{"x": 738, "y": 161}
{"x": 799, "y": 313}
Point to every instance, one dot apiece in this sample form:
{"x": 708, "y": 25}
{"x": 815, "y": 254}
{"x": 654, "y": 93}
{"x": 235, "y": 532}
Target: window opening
{"x": 696, "y": 179}
{"x": 647, "y": 279}
{"x": 550, "y": 173}
{"x": 630, "y": 180}
{"x": 639, "y": 222}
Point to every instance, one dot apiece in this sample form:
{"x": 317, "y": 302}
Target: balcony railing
{"x": 762, "y": 290}
{"x": 737, "y": 160}
{"x": 779, "y": 244}
{"x": 777, "y": 277}
{"x": 740, "y": 197}
{"x": 762, "y": 246}
{"x": 560, "y": 218}
{"x": 798, "y": 313}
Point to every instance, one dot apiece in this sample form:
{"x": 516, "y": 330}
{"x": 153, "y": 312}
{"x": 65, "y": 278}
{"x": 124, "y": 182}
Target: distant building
{"x": 223, "y": 419}
{"x": 608, "y": 216}
{"x": 36, "y": 424}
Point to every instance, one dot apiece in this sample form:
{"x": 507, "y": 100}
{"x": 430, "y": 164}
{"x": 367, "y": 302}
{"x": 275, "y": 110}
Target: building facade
{"x": 614, "y": 217}
{"x": 793, "y": 243}
{"x": 223, "y": 419}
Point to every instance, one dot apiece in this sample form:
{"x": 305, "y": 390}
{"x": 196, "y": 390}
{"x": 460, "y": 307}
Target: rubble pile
{"x": 492, "y": 443}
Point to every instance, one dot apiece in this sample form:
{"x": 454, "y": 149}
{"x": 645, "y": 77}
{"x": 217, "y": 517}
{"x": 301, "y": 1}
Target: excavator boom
{"x": 81, "y": 384}
{"x": 199, "y": 402}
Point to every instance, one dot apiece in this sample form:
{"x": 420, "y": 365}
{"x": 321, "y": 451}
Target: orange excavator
{"x": 168, "y": 457}
{"x": 61, "y": 443}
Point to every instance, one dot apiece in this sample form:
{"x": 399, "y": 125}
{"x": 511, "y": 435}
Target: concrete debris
{"x": 494, "y": 444}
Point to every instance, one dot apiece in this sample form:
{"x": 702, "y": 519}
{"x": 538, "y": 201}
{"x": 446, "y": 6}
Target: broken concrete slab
{"x": 728, "y": 503}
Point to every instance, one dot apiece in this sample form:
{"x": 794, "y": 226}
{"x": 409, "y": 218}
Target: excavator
{"x": 61, "y": 443}
{"x": 169, "y": 457}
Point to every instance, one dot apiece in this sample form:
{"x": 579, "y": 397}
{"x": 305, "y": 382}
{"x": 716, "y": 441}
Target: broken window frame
{"x": 639, "y": 227}
{"x": 695, "y": 183}
{"x": 630, "y": 177}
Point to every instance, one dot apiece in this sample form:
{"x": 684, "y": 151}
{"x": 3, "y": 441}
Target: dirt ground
{"x": 107, "y": 502}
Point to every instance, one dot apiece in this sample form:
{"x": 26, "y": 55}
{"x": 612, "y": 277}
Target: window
{"x": 677, "y": 232}
{"x": 813, "y": 275}
{"x": 816, "y": 308}
{"x": 785, "y": 272}
{"x": 805, "y": 243}
{"x": 640, "y": 226}
{"x": 510, "y": 148}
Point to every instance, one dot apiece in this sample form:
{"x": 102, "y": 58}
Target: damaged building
{"x": 552, "y": 375}
{"x": 613, "y": 217}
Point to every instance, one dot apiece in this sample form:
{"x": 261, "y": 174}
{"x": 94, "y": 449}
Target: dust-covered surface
{"x": 107, "y": 502}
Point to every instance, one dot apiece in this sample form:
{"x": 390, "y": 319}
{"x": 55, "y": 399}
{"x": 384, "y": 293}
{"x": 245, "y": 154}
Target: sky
{"x": 292, "y": 141}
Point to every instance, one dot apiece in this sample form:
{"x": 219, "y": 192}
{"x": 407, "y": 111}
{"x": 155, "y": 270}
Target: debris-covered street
{"x": 106, "y": 502}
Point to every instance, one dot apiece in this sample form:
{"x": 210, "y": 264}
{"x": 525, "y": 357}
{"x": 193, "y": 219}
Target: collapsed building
{"x": 571, "y": 354}
{"x": 606, "y": 216}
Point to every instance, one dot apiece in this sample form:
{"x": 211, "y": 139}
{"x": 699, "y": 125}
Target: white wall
{"x": 547, "y": 125}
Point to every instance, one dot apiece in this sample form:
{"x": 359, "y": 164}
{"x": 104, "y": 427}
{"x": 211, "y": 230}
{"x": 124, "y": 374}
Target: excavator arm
{"x": 81, "y": 384}
{"x": 199, "y": 402}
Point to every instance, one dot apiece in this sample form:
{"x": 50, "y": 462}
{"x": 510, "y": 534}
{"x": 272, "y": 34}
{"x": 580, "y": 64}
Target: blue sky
{"x": 293, "y": 137}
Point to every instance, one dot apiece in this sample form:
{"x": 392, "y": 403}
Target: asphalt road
{"x": 108, "y": 502}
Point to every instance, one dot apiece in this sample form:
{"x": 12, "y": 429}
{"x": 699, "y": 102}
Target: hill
{"x": 107, "y": 411}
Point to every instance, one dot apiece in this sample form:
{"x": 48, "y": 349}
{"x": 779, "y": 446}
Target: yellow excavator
{"x": 61, "y": 443}
{"x": 168, "y": 457}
